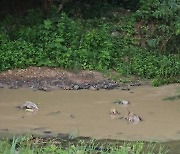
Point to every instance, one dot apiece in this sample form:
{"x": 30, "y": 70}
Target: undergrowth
{"x": 67, "y": 41}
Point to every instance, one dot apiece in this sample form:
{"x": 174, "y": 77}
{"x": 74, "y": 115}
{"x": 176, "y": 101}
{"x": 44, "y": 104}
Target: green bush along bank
{"x": 143, "y": 43}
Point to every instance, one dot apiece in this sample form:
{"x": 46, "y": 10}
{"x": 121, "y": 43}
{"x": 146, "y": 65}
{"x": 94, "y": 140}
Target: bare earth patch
{"x": 45, "y": 72}
{"x": 43, "y": 78}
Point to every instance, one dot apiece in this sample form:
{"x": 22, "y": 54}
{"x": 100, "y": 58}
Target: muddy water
{"x": 88, "y": 113}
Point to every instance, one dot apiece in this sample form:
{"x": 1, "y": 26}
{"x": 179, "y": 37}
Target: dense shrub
{"x": 151, "y": 65}
{"x": 161, "y": 19}
{"x": 83, "y": 44}
{"x": 16, "y": 54}
{"x": 95, "y": 49}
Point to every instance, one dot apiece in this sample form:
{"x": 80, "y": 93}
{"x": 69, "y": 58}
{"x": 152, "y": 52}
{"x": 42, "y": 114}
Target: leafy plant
{"x": 161, "y": 18}
{"x": 76, "y": 43}
{"x": 95, "y": 47}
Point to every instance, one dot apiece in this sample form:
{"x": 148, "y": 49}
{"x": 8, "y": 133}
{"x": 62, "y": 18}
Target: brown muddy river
{"x": 88, "y": 113}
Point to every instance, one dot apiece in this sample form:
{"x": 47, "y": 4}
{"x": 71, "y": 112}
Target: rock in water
{"x": 122, "y": 102}
{"x": 29, "y": 106}
{"x": 131, "y": 117}
{"x": 114, "y": 112}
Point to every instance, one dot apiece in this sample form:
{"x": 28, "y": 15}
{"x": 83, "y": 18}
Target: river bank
{"x": 47, "y": 79}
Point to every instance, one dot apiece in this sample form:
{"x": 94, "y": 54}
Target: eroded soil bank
{"x": 87, "y": 113}
{"x": 47, "y": 79}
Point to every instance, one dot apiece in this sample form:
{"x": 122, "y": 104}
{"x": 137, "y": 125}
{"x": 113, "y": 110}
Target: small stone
{"x": 136, "y": 84}
{"x": 13, "y": 87}
{"x": 114, "y": 111}
{"x": 125, "y": 88}
{"x": 106, "y": 87}
{"x": 44, "y": 89}
{"x": 92, "y": 88}
{"x": 76, "y": 87}
{"x": 122, "y": 102}
{"x": 66, "y": 88}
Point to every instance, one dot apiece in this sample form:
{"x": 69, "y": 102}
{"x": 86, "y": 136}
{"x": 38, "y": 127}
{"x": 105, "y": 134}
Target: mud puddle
{"x": 87, "y": 113}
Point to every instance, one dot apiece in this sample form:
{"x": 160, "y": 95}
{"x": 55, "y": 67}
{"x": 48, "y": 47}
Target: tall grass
{"x": 29, "y": 145}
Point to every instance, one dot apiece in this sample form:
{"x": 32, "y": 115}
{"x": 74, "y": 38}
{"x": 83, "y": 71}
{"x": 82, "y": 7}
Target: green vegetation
{"x": 161, "y": 24}
{"x": 172, "y": 98}
{"x": 175, "y": 97}
{"x": 29, "y": 145}
{"x": 99, "y": 36}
